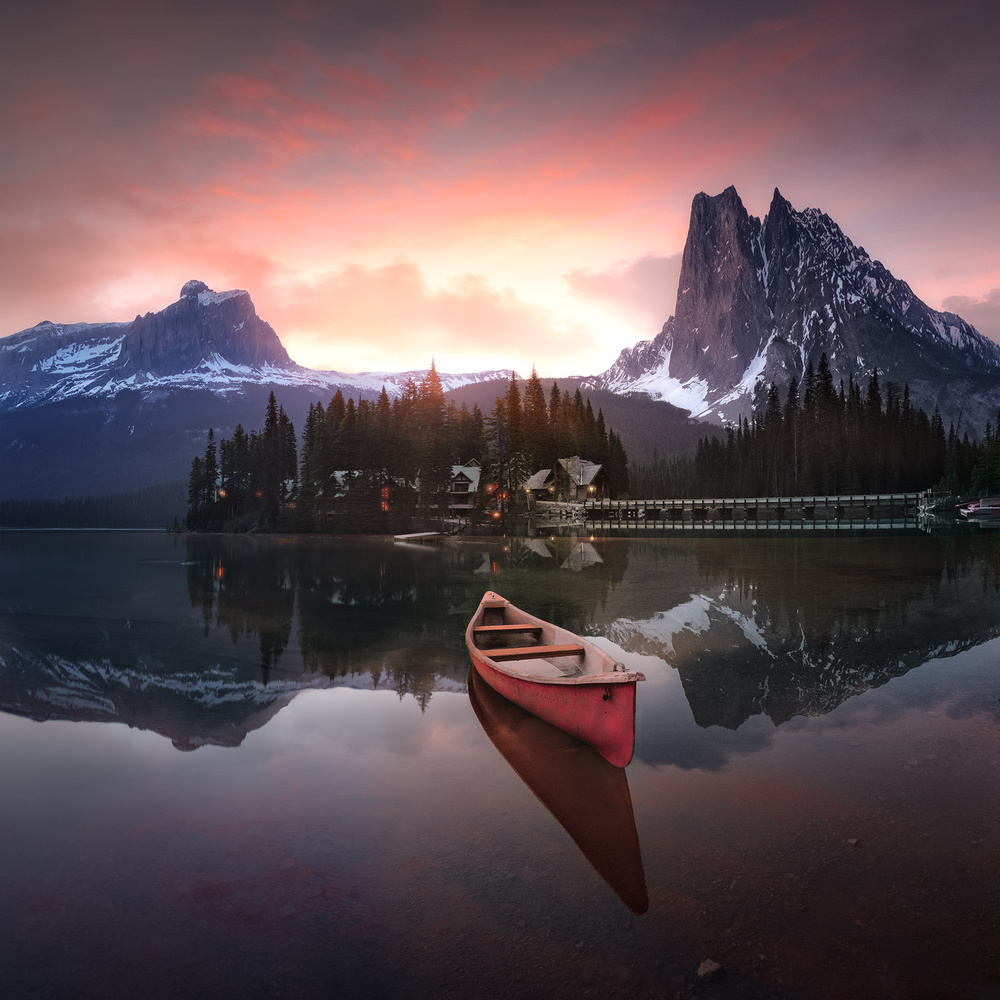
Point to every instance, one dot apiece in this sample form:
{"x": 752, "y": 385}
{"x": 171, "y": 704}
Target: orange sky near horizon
{"x": 493, "y": 184}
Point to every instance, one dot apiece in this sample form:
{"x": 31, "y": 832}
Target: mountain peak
{"x": 193, "y": 287}
{"x": 779, "y": 203}
{"x": 758, "y": 301}
{"x": 721, "y": 252}
{"x": 201, "y": 327}
{"x": 726, "y": 199}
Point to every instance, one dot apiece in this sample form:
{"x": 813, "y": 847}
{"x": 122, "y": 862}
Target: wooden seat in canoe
{"x": 487, "y": 629}
{"x": 534, "y": 652}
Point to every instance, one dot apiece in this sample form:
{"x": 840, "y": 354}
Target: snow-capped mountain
{"x": 101, "y": 408}
{"x": 782, "y": 659}
{"x": 759, "y": 299}
{"x": 214, "y": 706}
{"x": 205, "y": 340}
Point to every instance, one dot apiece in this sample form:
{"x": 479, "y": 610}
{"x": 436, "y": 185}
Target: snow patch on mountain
{"x": 208, "y": 297}
{"x": 78, "y": 356}
{"x": 691, "y": 395}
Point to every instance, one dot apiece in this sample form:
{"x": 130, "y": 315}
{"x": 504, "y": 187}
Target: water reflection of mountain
{"x": 101, "y": 629}
{"x": 795, "y": 627}
{"x": 209, "y": 707}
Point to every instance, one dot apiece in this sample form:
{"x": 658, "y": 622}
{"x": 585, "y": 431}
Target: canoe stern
{"x": 601, "y": 714}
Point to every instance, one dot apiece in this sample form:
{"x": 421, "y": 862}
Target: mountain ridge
{"x": 95, "y": 409}
{"x": 105, "y": 408}
{"x": 758, "y": 300}
{"x": 204, "y": 340}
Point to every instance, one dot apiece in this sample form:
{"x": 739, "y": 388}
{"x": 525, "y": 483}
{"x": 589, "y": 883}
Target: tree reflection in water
{"x": 396, "y": 612}
{"x": 101, "y": 627}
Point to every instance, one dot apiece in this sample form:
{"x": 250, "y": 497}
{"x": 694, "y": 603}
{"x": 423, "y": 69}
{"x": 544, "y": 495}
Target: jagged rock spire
{"x": 759, "y": 301}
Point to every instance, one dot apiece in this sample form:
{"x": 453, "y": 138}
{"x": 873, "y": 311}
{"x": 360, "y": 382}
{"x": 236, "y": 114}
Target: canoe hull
{"x": 602, "y": 715}
{"x": 587, "y": 795}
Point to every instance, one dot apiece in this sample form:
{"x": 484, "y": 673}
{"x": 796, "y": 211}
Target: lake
{"x": 247, "y": 766}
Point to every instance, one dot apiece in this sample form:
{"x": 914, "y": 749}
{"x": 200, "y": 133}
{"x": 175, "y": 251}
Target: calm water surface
{"x": 255, "y": 767}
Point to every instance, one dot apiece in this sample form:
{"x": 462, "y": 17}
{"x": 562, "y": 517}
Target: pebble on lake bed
{"x": 708, "y": 970}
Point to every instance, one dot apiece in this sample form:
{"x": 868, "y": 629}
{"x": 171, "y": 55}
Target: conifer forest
{"x": 386, "y": 466}
{"x": 822, "y": 440}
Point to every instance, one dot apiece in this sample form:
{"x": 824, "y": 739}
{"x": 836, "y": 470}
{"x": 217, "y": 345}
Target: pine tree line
{"x": 248, "y": 478}
{"x": 376, "y": 466}
{"x": 829, "y": 441}
{"x": 528, "y": 433}
{"x": 157, "y": 506}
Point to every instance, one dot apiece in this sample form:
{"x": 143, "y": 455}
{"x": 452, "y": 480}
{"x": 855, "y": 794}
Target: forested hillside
{"x": 381, "y": 466}
{"x": 830, "y": 441}
{"x": 152, "y": 507}
{"x": 649, "y": 428}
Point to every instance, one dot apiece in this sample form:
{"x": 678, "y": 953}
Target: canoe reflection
{"x": 588, "y": 795}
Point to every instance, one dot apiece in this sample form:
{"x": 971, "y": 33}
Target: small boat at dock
{"x": 986, "y": 510}
{"x": 556, "y": 675}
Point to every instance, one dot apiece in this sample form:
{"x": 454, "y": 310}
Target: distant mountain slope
{"x": 102, "y": 408}
{"x": 204, "y": 340}
{"x": 758, "y": 300}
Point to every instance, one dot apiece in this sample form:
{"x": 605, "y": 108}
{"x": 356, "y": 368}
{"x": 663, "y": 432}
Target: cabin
{"x": 569, "y": 479}
{"x": 539, "y": 486}
{"x": 463, "y": 486}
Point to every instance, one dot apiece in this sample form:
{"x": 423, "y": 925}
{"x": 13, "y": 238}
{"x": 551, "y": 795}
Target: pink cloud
{"x": 645, "y": 287}
{"x": 485, "y": 138}
{"x": 331, "y": 322}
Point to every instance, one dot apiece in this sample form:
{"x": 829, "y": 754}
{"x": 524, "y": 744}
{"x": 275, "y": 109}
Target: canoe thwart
{"x": 486, "y": 629}
{"x": 534, "y": 652}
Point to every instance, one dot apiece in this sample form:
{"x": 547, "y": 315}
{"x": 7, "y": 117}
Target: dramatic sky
{"x": 494, "y": 184}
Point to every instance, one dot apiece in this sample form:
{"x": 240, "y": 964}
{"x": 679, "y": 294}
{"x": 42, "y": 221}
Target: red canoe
{"x": 555, "y": 675}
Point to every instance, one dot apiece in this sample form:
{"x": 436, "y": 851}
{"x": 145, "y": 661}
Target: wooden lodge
{"x": 571, "y": 479}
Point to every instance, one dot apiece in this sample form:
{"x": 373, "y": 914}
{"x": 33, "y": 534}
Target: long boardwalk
{"x": 856, "y": 512}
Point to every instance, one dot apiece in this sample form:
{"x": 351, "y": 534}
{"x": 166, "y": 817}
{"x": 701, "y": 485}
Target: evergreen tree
{"x": 537, "y": 435}
{"x": 196, "y": 486}
{"x": 556, "y": 432}
{"x": 617, "y": 467}
{"x": 435, "y": 453}
{"x": 515, "y": 422}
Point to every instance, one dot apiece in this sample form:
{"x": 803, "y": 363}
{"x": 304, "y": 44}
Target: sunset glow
{"x": 489, "y": 184}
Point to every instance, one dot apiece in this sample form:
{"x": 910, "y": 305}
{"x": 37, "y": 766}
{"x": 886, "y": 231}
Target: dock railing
{"x": 858, "y": 511}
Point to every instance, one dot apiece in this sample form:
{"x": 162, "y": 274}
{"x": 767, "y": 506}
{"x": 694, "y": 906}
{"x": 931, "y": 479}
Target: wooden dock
{"x": 856, "y": 512}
